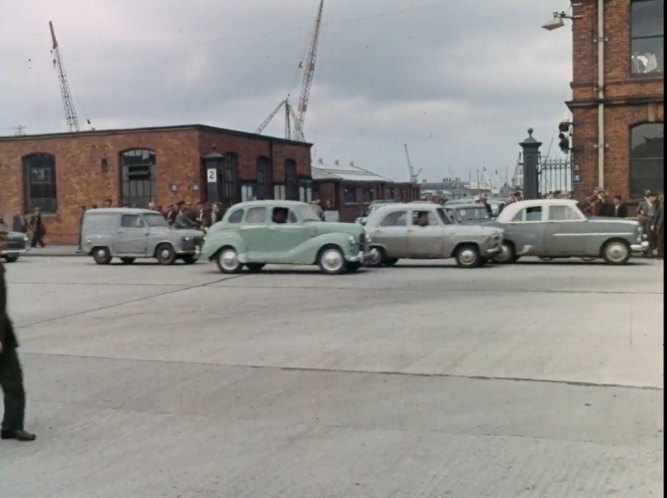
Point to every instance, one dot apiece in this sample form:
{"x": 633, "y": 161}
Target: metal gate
{"x": 555, "y": 174}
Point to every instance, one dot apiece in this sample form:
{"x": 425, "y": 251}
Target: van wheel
{"x": 507, "y": 253}
{"x": 377, "y": 256}
{"x": 101, "y": 255}
{"x": 228, "y": 261}
{"x": 165, "y": 254}
{"x": 127, "y": 261}
{"x": 13, "y": 258}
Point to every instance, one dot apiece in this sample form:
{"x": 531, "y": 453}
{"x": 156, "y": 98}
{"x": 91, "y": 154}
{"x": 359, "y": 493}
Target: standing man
{"x": 646, "y": 211}
{"x": 658, "y": 228}
{"x": 37, "y": 228}
{"x": 79, "y": 249}
{"x": 11, "y": 376}
{"x": 620, "y": 208}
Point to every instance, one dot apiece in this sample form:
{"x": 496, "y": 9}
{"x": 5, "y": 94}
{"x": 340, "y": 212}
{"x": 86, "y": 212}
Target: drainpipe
{"x": 601, "y": 143}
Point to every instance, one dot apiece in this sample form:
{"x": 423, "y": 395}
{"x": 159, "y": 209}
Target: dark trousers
{"x": 660, "y": 236}
{"x": 37, "y": 238}
{"x": 11, "y": 381}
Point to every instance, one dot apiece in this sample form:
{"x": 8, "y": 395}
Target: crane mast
{"x": 309, "y": 69}
{"x": 70, "y": 112}
{"x": 414, "y": 175}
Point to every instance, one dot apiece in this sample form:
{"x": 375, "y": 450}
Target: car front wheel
{"x": 228, "y": 261}
{"x": 467, "y": 256}
{"x": 331, "y": 261}
{"x": 616, "y": 252}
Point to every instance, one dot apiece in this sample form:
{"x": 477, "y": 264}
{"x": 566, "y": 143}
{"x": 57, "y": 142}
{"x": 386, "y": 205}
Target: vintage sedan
{"x": 556, "y": 228}
{"x": 255, "y": 233}
{"x": 425, "y": 231}
{"x": 16, "y": 243}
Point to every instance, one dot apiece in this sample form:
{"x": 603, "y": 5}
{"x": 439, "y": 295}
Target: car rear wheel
{"x": 331, "y": 261}
{"x": 467, "y": 256}
{"x": 12, "y": 258}
{"x": 127, "y": 261}
{"x": 507, "y": 253}
{"x": 255, "y": 267}
{"x": 101, "y": 255}
{"x": 165, "y": 254}
{"x": 228, "y": 261}
{"x": 616, "y": 252}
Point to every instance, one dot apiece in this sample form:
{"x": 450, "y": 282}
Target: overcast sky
{"x": 459, "y": 81}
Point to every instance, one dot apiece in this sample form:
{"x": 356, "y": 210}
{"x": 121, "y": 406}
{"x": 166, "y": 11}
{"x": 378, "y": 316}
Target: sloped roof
{"x": 349, "y": 172}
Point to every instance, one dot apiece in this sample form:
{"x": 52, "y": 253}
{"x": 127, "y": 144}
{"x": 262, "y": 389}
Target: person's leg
{"x": 11, "y": 380}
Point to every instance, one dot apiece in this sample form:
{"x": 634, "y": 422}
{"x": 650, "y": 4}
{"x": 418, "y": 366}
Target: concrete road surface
{"x": 424, "y": 380}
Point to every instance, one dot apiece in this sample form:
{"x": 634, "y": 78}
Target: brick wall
{"x": 629, "y": 99}
{"x": 81, "y": 180}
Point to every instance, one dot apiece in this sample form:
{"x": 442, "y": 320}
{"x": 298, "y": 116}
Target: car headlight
{"x": 352, "y": 240}
{"x": 187, "y": 238}
{"x": 25, "y": 238}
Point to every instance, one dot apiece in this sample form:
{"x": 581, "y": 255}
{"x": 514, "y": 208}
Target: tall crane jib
{"x": 70, "y": 112}
{"x": 309, "y": 70}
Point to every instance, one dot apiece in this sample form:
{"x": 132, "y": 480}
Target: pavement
{"x": 424, "y": 380}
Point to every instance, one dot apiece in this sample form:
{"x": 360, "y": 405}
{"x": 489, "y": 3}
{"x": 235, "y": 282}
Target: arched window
{"x": 648, "y": 29}
{"x": 263, "y": 177}
{"x": 647, "y": 144}
{"x": 39, "y": 173}
{"x": 230, "y": 179}
{"x": 291, "y": 181}
{"x": 137, "y": 167}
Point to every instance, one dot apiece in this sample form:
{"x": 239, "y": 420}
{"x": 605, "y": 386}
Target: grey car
{"x": 557, "y": 228}
{"x": 467, "y": 214}
{"x": 425, "y": 231}
{"x": 129, "y": 233}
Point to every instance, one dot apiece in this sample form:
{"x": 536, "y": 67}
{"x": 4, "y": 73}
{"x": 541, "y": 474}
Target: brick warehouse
{"x": 627, "y": 158}
{"x": 62, "y": 172}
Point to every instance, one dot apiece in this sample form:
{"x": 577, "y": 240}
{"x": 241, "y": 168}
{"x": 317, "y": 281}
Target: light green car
{"x": 255, "y": 233}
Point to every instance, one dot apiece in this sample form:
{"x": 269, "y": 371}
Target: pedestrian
{"x": 620, "y": 208}
{"x": 79, "y": 248}
{"x": 37, "y": 228}
{"x": 646, "y": 211}
{"x": 317, "y": 207}
{"x": 606, "y": 208}
{"x": 658, "y": 228}
{"x": 184, "y": 219}
{"x": 108, "y": 203}
{"x": 11, "y": 376}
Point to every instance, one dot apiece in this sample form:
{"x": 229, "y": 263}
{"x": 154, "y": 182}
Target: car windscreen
{"x": 444, "y": 216}
{"x": 155, "y": 220}
{"x": 583, "y": 209}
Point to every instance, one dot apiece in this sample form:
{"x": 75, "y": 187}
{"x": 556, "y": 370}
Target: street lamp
{"x": 557, "y": 20}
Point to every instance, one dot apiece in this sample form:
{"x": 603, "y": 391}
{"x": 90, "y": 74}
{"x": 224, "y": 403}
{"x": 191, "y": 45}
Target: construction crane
{"x": 70, "y": 112}
{"x": 414, "y": 175}
{"x": 291, "y": 121}
{"x": 309, "y": 69}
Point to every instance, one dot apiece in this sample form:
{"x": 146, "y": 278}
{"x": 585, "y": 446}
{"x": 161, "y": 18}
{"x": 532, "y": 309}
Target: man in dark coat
{"x": 658, "y": 227}
{"x": 620, "y": 208}
{"x": 11, "y": 376}
{"x": 37, "y": 228}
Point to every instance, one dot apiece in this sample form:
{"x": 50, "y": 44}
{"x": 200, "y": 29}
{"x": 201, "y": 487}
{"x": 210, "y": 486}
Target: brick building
{"x": 618, "y": 96}
{"x": 61, "y": 172}
{"x": 350, "y": 189}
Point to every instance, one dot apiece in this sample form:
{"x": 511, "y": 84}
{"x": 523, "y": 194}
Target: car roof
{"x": 408, "y": 205}
{"x": 121, "y": 211}
{"x": 267, "y": 203}
{"x": 510, "y": 210}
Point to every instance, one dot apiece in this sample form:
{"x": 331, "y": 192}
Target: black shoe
{"x": 18, "y": 435}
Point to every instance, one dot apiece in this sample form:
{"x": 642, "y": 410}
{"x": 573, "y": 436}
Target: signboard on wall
{"x": 212, "y": 175}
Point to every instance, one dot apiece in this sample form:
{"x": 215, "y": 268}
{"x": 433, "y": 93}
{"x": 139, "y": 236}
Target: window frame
{"x": 639, "y": 193}
{"x": 633, "y": 38}
{"x": 564, "y": 206}
{"x": 123, "y": 217}
{"x": 46, "y": 204}
{"x": 400, "y": 213}
{"x": 255, "y": 208}
{"x": 263, "y": 167}
{"x": 354, "y": 200}
{"x": 524, "y": 210}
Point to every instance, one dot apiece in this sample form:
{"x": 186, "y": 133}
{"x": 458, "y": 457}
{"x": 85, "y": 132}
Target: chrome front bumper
{"x": 642, "y": 247}
{"x": 361, "y": 257}
{"x": 493, "y": 250}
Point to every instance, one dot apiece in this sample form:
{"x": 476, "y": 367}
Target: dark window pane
{"x": 647, "y": 18}
{"x": 647, "y": 158}
{"x": 40, "y": 182}
{"x": 138, "y": 177}
{"x": 291, "y": 180}
{"x": 648, "y": 56}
